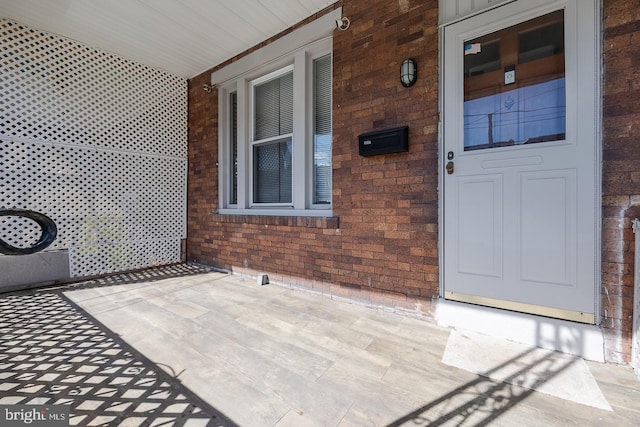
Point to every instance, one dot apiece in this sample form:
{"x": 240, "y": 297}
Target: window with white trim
{"x": 275, "y": 125}
{"x": 271, "y": 142}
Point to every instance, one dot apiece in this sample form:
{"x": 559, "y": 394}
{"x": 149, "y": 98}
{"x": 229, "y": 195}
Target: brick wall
{"x": 382, "y": 243}
{"x": 202, "y": 187}
{"x": 621, "y": 172}
{"x": 383, "y": 238}
{"x": 387, "y": 204}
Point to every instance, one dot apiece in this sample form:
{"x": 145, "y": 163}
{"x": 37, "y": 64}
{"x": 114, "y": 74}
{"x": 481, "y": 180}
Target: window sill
{"x": 324, "y": 222}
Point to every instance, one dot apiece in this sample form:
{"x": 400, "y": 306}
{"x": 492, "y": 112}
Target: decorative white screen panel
{"x": 96, "y": 142}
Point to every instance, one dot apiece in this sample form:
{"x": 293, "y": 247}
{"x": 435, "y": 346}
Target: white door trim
{"x": 579, "y": 339}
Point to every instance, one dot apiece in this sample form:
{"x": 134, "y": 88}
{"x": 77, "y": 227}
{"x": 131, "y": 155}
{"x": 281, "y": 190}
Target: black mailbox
{"x": 384, "y": 141}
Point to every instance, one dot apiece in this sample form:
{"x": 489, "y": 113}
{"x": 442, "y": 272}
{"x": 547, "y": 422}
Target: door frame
{"x": 597, "y": 64}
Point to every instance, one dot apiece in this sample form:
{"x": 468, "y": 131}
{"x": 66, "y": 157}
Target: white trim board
{"x": 586, "y": 341}
{"x": 315, "y": 30}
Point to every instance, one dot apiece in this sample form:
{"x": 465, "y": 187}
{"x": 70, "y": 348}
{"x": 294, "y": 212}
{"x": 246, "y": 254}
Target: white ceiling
{"x": 183, "y": 37}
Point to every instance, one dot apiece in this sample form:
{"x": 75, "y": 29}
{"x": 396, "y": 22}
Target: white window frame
{"x": 296, "y": 51}
{"x": 252, "y": 143}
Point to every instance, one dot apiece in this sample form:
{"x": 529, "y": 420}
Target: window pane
{"x": 272, "y": 173}
{"x": 485, "y": 60}
{"x": 322, "y": 130}
{"x": 522, "y": 99}
{"x": 541, "y": 42}
{"x": 274, "y": 107}
{"x": 233, "y": 136}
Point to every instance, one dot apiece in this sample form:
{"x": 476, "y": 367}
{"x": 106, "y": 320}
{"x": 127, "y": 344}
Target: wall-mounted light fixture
{"x": 408, "y": 72}
{"x": 343, "y": 23}
{"x": 207, "y": 88}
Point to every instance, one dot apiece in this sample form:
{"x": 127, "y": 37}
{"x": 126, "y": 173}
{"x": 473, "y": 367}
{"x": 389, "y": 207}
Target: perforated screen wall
{"x": 96, "y": 142}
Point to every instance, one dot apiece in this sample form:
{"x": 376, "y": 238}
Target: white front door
{"x": 520, "y": 153}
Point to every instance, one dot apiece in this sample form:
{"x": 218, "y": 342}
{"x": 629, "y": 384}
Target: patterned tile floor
{"x": 251, "y": 355}
{"x": 54, "y": 353}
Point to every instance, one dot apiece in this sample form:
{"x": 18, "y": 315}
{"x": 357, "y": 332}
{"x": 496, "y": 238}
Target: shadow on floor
{"x": 54, "y": 353}
{"x": 140, "y": 276}
{"x": 483, "y": 400}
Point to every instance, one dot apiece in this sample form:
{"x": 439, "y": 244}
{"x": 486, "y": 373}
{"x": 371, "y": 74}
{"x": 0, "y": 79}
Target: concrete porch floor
{"x": 183, "y": 345}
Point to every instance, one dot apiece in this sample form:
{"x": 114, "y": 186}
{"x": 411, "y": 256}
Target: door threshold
{"x": 579, "y": 339}
{"x": 558, "y": 313}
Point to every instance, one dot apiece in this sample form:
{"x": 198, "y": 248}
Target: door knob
{"x": 449, "y": 168}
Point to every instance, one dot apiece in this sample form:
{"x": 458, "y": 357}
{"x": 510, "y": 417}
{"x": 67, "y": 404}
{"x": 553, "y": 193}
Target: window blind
{"x": 274, "y": 107}
{"x": 272, "y": 161}
{"x": 233, "y": 99}
{"x": 322, "y": 130}
{"x": 272, "y": 173}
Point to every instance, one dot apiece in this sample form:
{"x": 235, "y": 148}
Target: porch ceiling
{"x": 183, "y": 37}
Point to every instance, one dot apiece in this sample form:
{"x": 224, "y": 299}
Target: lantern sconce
{"x": 408, "y": 72}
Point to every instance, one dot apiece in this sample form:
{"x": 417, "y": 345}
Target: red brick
{"x": 385, "y": 224}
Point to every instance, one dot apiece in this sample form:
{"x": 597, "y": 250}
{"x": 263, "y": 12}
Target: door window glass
{"x": 514, "y": 85}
